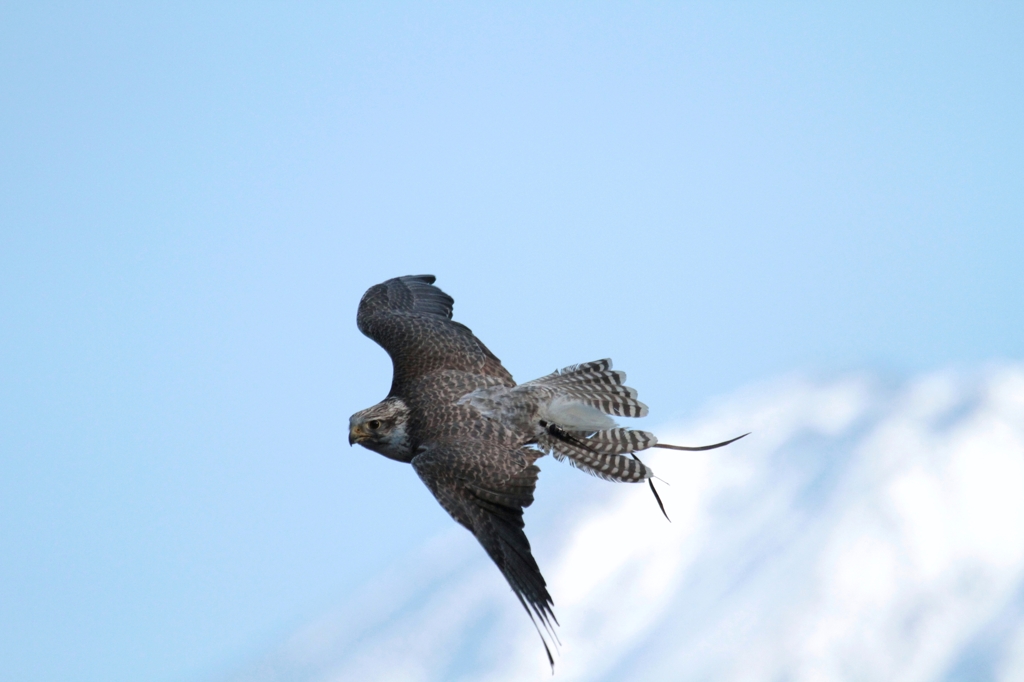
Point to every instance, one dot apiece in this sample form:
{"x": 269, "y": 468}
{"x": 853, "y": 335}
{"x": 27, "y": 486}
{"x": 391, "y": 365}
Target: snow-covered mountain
{"x": 864, "y": 531}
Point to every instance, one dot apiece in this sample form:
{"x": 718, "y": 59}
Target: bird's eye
{"x": 374, "y": 424}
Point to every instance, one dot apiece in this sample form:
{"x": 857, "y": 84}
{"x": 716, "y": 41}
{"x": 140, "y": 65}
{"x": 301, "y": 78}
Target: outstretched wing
{"x": 485, "y": 486}
{"x": 412, "y": 320}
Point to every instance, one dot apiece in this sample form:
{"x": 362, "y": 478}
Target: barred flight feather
{"x": 618, "y": 441}
{"x": 597, "y": 385}
{"x": 610, "y": 467}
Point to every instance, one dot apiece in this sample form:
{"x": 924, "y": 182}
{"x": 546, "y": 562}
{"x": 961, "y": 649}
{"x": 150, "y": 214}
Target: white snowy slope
{"x": 864, "y": 531}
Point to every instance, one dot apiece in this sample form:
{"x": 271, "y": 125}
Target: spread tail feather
{"x": 595, "y": 384}
{"x": 582, "y": 454}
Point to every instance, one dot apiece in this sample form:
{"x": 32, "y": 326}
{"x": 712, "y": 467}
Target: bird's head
{"x": 382, "y": 428}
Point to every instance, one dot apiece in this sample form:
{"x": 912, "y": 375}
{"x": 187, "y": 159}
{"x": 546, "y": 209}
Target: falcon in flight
{"x": 473, "y": 435}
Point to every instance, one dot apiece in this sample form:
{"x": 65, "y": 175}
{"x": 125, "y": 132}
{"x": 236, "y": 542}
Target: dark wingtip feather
{"x": 427, "y": 298}
{"x": 543, "y": 613}
{"x": 426, "y": 279}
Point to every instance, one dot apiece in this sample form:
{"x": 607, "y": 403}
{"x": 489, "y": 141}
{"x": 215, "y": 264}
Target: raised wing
{"x": 412, "y": 320}
{"x": 485, "y": 486}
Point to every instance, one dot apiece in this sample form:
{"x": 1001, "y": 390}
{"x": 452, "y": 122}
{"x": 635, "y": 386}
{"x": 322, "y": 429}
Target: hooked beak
{"x": 355, "y": 435}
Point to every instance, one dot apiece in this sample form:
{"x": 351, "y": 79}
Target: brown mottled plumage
{"x": 473, "y": 435}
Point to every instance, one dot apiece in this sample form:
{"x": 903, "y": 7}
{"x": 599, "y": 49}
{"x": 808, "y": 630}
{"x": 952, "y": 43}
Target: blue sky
{"x": 193, "y": 198}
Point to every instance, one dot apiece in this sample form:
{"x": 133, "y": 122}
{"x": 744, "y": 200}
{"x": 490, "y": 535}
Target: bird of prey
{"x": 473, "y": 435}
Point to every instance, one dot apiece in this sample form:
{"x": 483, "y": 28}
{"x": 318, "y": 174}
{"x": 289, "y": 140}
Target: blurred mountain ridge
{"x": 866, "y": 530}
